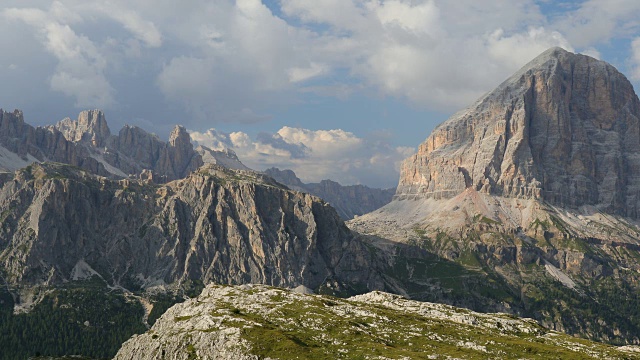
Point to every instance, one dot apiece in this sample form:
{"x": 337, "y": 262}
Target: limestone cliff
{"x": 564, "y": 130}
{"x": 227, "y": 158}
{"x": 535, "y": 186}
{"x": 88, "y": 143}
{"x": 217, "y": 225}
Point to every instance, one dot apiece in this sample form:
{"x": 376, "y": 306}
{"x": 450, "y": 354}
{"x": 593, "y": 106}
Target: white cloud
{"x": 591, "y": 51}
{"x": 80, "y": 70}
{"x": 297, "y": 74}
{"x": 597, "y": 21}
{"x": 518, "y": 49}
{"x": 234, "y": 61}
{"x": 314, "y": 154}
{"x": 438, "y": 54}
{"x": 143, "y": 30}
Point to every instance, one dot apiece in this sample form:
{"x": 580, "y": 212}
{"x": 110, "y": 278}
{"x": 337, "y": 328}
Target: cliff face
{"x": 349, "y": 201}
{"x": 535, "y": 186}
{"x": 217, "y": 225}
{"x": 25, "y": 144}
{"x": 87, "y": 143}
{"x": 564, "y": 130}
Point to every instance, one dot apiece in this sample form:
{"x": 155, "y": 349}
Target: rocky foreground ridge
{"x": 260, "y": 322}
{"x": 349, "y": 201}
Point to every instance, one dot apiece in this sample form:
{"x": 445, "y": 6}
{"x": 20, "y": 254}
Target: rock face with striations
{"x": 217, "y": 225}
{"x": 22, "y": 144}
{"x": 349, "y": 201}
{"x": 564, "y": 129}
{"x": 537, "y": 187}
{"x": 88, "y": 143}
{"x": 91, "y": 127}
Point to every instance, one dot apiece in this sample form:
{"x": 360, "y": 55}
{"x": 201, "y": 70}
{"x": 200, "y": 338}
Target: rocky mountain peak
{"x": 226, "y": 157}
{"x": 91, "y": 127}
{"x": 11, "y": 123}
{"x": 564, "y": 129}
{"x": 286, "y": 176}
{"x": 350, "y": 201}
{"x": 179, "y": 136}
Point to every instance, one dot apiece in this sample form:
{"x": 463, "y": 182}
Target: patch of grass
{"x": 182, "y": 318}
{"x": 307, "y": 329}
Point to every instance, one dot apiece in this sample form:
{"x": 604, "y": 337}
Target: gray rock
{"x": 87, "y": 143}
{"x": 260, "y": 322}
{"x": 217, "y": 225}
{"x": 564, "y": 130}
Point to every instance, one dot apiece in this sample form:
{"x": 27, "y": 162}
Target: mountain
{"x": 226, "y": 158}
{"x": 535, "y": 186}
{"x": 349, "y": 201}
{"x": 259, "y": 322}
{"x": 88, "y": 143}
{"x": 61, "y": 223}
{"x": 564, "y": 130}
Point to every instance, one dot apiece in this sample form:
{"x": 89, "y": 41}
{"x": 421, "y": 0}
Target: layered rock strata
{"x": 564, "y": 130}
{"x": 217, "y": 225}
{"x": 88, "y": 143}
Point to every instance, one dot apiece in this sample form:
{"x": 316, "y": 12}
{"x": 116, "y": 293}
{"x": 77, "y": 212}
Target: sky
{"x": 338, "y": 89}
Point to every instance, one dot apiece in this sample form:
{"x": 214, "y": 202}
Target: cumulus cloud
{"x": 209, "y": 62}
{"x": 596, "y": 21}
{"x": 314, "y": 154}
{"x": 80, "y": 70}
{"x": 235, "y": 61}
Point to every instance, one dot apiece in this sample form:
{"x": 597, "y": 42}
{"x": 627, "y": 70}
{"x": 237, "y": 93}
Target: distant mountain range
{"x": 349, "y": 201}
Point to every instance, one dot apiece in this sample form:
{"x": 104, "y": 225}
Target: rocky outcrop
{"x": 87, "y": 142}
{"x": 564, "y": 130}
{"x": 25, "y": 144}
{"x": 349, "y": 201}
{"x": 227, "y": 158}
{"x": 91, "y": 128}
{"x": 217, "y": 225}
{"x": 260, "y": 322}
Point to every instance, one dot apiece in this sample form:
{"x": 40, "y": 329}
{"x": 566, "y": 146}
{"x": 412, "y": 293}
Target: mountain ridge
{"x": 350, "y": 201}
{"x": 253, "y": 321}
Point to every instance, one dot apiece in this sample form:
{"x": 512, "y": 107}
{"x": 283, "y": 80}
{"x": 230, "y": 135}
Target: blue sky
{"x": 341, "y": 89}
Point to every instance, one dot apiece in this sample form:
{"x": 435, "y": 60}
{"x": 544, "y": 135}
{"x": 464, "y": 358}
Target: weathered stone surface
{"x": 349, "y": 201}
{"x": 217, "y": 225}
{"x": 41, "y": 144}
{"x": 564, "y": 130}
{"x": 536, "y": 186}
{"x": 87, "y": 142}
{"x": 91, "y": 127}
{"x": 227, "y": 158}
{"x": 260, "y": 322}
